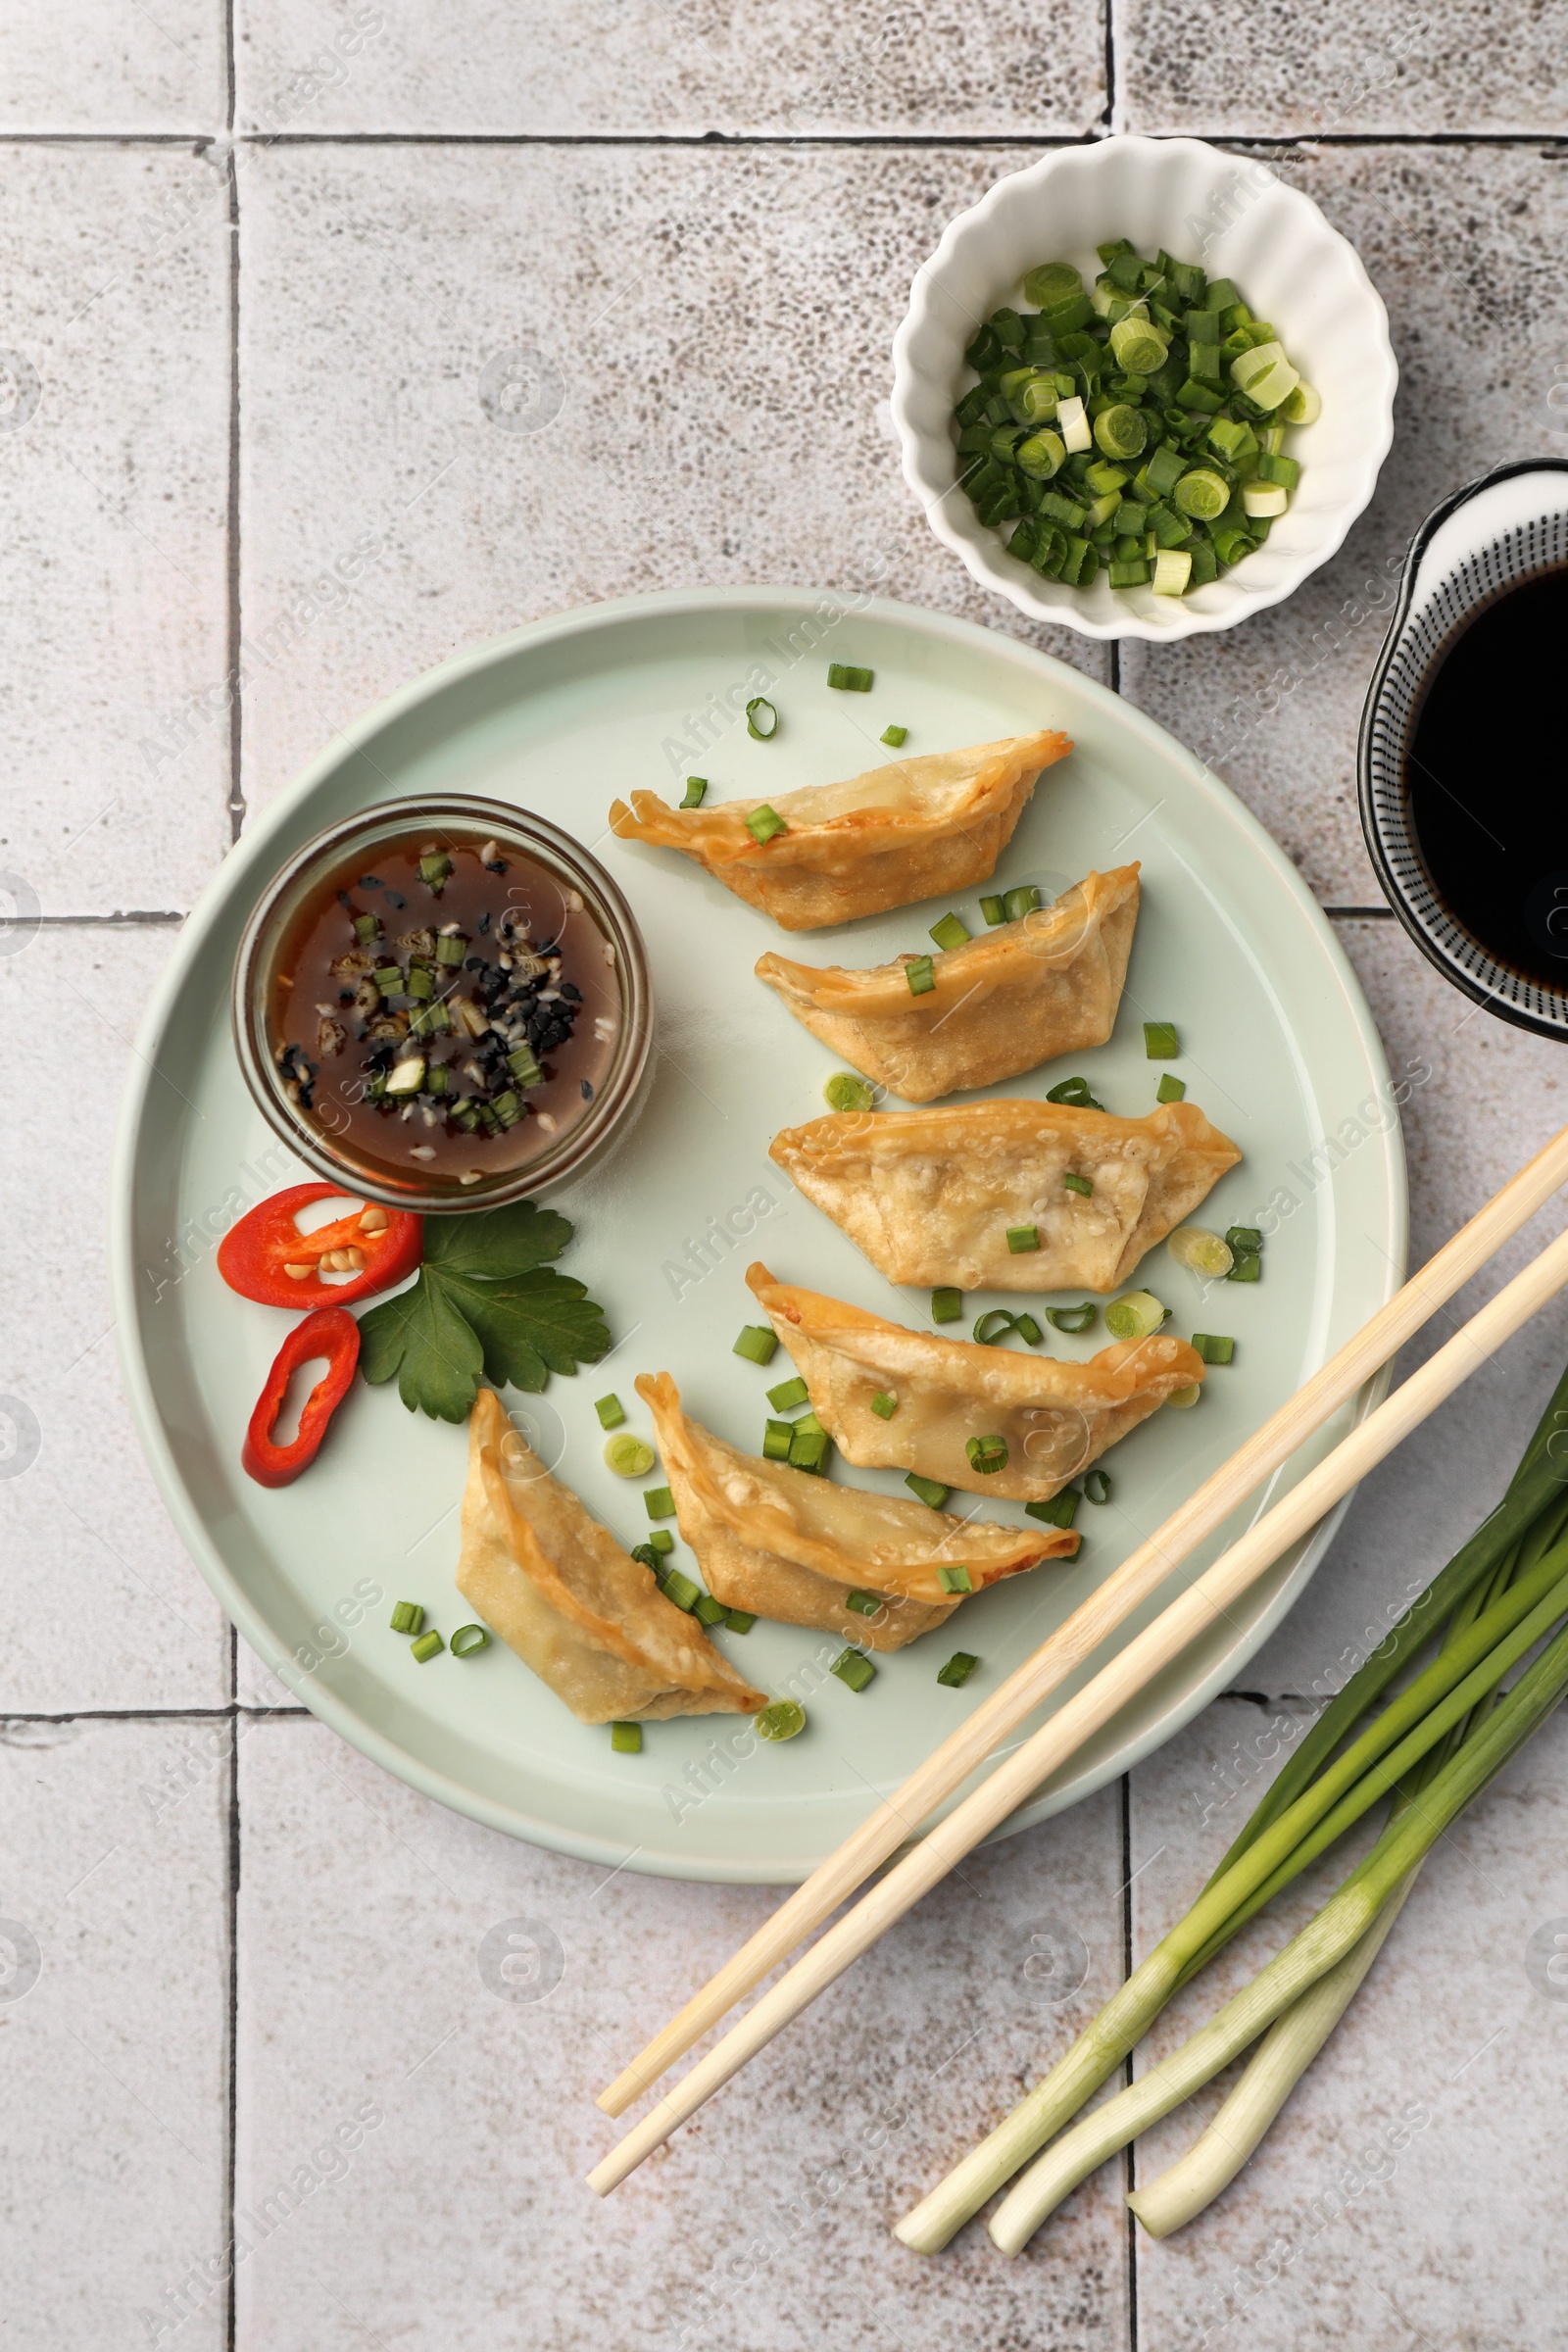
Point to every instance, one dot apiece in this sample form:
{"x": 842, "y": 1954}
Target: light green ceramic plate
{"x": 1279, "y": 1049}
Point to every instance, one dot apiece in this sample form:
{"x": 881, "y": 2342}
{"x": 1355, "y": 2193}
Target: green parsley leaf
{"x": 483, "y": 1303}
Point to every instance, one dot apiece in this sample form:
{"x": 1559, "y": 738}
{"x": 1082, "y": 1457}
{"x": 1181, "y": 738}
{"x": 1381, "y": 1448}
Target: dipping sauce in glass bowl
{"x": 446, "y": 1003}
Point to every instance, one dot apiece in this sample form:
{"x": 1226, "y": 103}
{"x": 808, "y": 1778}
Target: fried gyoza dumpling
{"x": 1020, "y": 995}
{"x": 1053, "y": 1419}
{"x": 885, "y": 839}
{"x": 784, "y": 1543}
{"x": 558, "y": 1590}
{"x": 931, "y": 1196}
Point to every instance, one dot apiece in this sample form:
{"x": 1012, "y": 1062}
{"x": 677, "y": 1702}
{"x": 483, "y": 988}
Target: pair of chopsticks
{"x": 1190, "y": 1614}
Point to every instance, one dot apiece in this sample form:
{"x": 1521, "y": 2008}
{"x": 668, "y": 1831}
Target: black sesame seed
{"x": 395, "y": 897}
{"x": 475, "y": 963}
{"x": 587, "y": 1091}
{"x": 573, "y": 996}
{"x": 370, "y": 881}
{"x": 483, "y": 925}
{"x": 495, "y": 865}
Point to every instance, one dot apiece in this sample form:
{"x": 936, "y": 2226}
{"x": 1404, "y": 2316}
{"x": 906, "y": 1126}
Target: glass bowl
{"x": 326, "y": 1137}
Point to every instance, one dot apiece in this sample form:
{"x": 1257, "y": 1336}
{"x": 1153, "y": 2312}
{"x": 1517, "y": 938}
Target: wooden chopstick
{"x": 950, "y": 1765}
{"x": 1090, "y": 1708}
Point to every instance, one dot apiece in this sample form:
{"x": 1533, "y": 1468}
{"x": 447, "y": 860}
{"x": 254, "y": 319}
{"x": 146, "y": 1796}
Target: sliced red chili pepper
{"x": 328, "y": 1332}
{"x": 267, "y": 1257}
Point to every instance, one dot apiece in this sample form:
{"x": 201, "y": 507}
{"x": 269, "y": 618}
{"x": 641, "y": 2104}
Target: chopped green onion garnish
{"x": 927, "y": 1489}
{"x": 659, "y": 1502}
{"x": 366, "y": 927}
{"x": 1170, "y": 1089}
{"x": 507, "y": 1107}
{"x": 626, "y": 1738}
{"x": 852, "y": 1666}
{"x": 763, "y": 823}
{"x": 739, "y": 1621}
{"x": 649, "y": 1560}
{"x": 1159, "y": 1041}
{"x": 894, "y": 736}
{"x": 408, "y": 1617}
{"x": 919, "y": 975}
{"x": 995, "y": 1323}
{"x": 845, "y": 1093}
{"x": 406, "y": 1077}
{"x": 696, "y": 786}
{"x": 1072, "y": 1318}
{"x": 449, "y": 949}
{"x": 1016, "y": 903}
{"x": 809, "y": 1421}
{"x": 1193, "y": 1246}
{"x": 955, "y": 1580}
{"x": 428, "y": 1645}
{"x": 883, "y": 1405}
{"x": 947, "y": 1305}
{"x": 957, "y": 1670}
{"x": 629, "y": 1456}
{"x": 1061, "y": 1511}
{"x": 709, "y": 1611}
{"x": 523, "y": 1066}
{"x": 434, "y": 868}
{"x": 660, "y": 1541}
{"x": 1096, "y": 1486}
{"x": 950, "y": 932}
{"x": 388, "y": 978}
{"x": 1021, "y": 1238}
{"x": 1078, "y": 1184}
{"x": 612, "y": 1412}
{"x": 1136, "y": 1315}
{"x": 776, "y": 1438}
{"x": 1214, "y": 1346}
{"x": 757, "y": 1343}
{"x": 1076, "y": 1092}
{"x": 761, "y": 720}
{"x": 1245, "y": 1236}
{"x": 681, "y": 1590}
{"x": 987, "y": 1454}
{"x": 467, "y": 1641}
{"x": 848, "y": 681}
{"x": 808, "y": 1447}
{"x": 864, "y": 1604}
{"x": 435, "y": 1081}
{"x": 781, "y": 1719}
{"x": 788, "y": 1392}
{"x": 994, "y": 912}
{"x": 1248, "y": 1266}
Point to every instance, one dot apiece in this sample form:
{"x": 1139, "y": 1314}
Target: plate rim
{"x": 253, "y": 848}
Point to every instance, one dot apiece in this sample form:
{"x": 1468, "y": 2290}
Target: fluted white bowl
{"x": 1235, "y": 218}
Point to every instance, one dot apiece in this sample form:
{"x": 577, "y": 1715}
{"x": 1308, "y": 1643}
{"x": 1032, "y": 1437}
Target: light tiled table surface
{"x": 253, "y": 266}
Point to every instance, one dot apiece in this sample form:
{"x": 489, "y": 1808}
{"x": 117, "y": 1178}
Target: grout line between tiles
{"x": 957, "y": 140}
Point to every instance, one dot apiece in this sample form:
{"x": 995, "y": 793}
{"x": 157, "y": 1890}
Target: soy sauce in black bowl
{"x": 1485, "y": 778}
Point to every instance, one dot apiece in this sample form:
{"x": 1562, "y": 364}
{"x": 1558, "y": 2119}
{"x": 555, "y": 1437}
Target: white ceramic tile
{"x": 114, "y": 470}
{"x": 1481, "y": 1099}
{"x": 378, "y": 1991}
{"x": 103, "y": 1607}
{"x": 1459, "y": 242}
{"x": 114, "y": 2025}
{"x": 1408, "y": 2195}
{"x": 709, "y": 333}
{"x": 92, "y": 67}
{"x": 670, "y": 67}
{"x": 1347, "y": 68}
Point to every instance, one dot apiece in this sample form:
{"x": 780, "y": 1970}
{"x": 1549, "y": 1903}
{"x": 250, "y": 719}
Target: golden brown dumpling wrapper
{"x": 1056, "y": 1418}
{"x": 583, "y": 1614}
{"x": 1016, "y": 996}
{"x": 786, "y": 1545}
{"x": 929, "y": 1194}
{"x": 893, "y": 835}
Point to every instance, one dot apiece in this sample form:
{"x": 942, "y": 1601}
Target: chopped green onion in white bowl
{"x": 1235, "y": 218}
